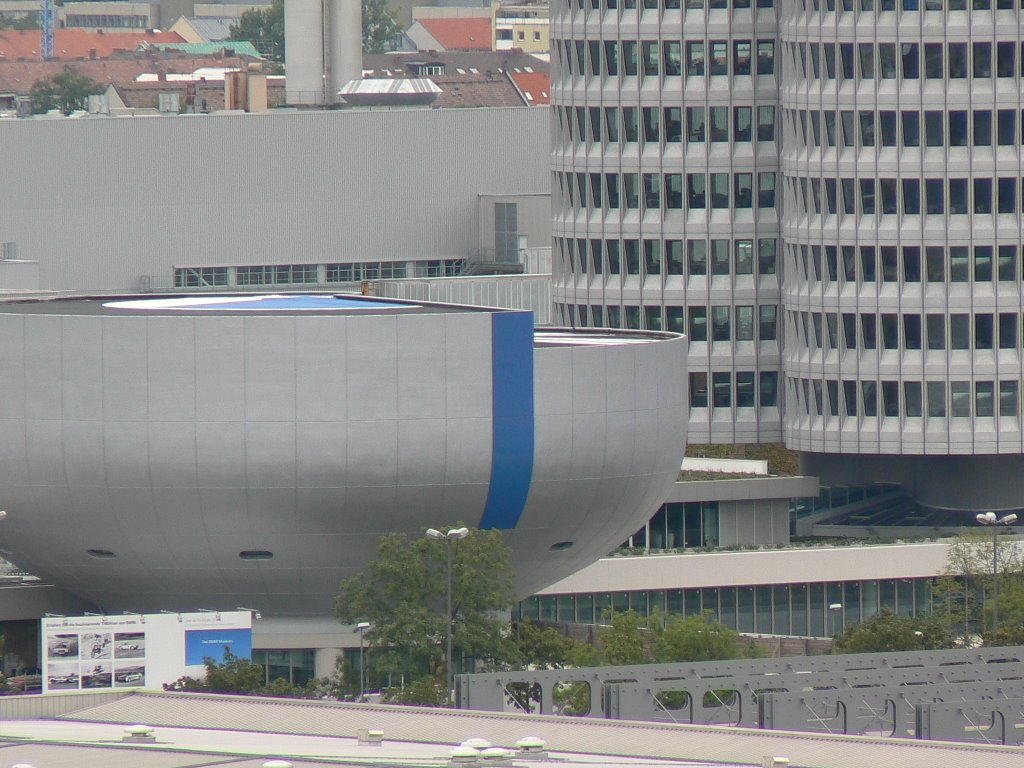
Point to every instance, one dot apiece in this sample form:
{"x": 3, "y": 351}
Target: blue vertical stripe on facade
{"x": 512, "y": 412}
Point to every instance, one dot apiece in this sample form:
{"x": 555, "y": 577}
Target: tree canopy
{"x": 403, "y": 595}
{"x": 380, "y": 30}
{"x": 887, "y": 631}
{"x": 699, "y": 638}
{"x": 29, "y": 20}
{"x": 632, "y": 639}
{"x": 963, "y": 595}
{"x": 264, "y": 28}
{"x": 66, "y": 91}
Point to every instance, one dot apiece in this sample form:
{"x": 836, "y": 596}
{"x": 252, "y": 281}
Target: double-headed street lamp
{"x": 989, "y": 518}
{"x": 361, "y": 628}
{"x": 453, "y": 534}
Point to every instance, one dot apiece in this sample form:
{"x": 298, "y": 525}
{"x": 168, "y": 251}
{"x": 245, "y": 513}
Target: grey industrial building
{"x": 290, "y": 199}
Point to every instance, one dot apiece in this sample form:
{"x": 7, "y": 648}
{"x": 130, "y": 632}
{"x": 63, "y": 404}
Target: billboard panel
{"x": 201, "y": 644}
{"x": 138, "y": 650}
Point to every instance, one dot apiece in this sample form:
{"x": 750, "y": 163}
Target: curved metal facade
{"x": 142, "y": 453}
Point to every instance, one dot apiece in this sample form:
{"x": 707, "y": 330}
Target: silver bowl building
{"x": 216, "y": 451}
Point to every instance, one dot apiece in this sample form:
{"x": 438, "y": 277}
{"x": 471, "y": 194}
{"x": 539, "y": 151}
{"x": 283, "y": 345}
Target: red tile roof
{"x": 77, "y": 43}
{"x": 535, "y": 86}
{"x": 461, "y": 33}
{"x": 18, "y": 76}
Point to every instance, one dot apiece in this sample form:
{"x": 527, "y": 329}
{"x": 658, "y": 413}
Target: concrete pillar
{"x": 325, "y": 661}
{"x": 304, "y": 52}
{"x": 344, "y": 48}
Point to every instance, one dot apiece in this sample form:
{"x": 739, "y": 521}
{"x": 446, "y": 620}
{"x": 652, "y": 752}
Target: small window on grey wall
{"x": 506, "y": 233}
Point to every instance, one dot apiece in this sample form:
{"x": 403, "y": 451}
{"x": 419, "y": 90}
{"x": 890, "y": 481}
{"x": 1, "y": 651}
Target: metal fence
{"x": 886, "y": 694}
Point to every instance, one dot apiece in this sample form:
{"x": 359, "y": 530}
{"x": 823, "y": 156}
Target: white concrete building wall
{"x": 795, "y": 565}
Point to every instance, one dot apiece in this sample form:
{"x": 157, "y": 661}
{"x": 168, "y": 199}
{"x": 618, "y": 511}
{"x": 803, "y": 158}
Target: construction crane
{"x": 46, "y": 28}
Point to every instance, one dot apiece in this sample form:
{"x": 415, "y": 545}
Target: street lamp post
{"x": 835, "y": 609}
{"x": 989, "y": 518}
{"x": 453, "y": 534}
{"x": 361, "y": 627}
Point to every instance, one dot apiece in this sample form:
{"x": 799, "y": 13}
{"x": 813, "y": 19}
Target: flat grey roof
{"x": 270, "y": 304}
{"x": 263, "y": 303}
{"x": 194, "y": 730}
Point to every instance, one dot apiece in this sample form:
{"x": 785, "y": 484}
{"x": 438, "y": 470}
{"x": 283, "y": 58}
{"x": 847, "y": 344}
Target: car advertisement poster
{"x": 138, "y": 650}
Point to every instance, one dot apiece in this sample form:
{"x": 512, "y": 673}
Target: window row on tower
{"x": 613, "y": 125}
{"x": 657, "y": 190}
{"x": 894, "y": 331}
{"x": 745, "y": 389}
{"x": 934, "y": 399}
{"x": 664, "y": 58}
{"x": 847, "y": 6}
{"x": 911, "y": 197}
{"x": 667, "y": 5}
{"x": 656, "y": 257}
{"x": 889, "y": 61}
{"x": 728, "y": 323}
{"x": 888, "y": 128}
{"x": 892, "y": 264}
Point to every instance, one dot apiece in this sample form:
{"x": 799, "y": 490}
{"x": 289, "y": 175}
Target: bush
{"x": 424, "y": 692}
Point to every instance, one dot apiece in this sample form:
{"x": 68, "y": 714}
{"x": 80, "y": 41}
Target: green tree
{"x": 422, "y": 692}
{"x": 403, "y": 594}
{"x": 963, "y": 592}
{"x": 233, "y": 675}
{"x": 380, "y": 30}
{"x": 887, "y": 631}
{"x": 545, "y": 648}
{"x": 66, "y": 91}
{"x": 624, "y": 642}
{"x": 699, "y": 638}
{"x": 264, "y": 28}
{"x": 21, "y": 21}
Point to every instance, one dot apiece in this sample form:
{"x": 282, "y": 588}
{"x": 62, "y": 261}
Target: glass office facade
{"x": 800, "y": 609}
{"x": 679, "y": 525}
{"x": 296, "y": 667}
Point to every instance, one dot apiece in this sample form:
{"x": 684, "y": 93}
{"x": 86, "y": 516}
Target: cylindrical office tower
{"x": 902, "y": 228}
{"x": 323, "y": 49}
{"x": 665, "y": 162}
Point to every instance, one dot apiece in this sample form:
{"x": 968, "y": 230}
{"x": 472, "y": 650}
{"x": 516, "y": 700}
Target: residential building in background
{"x": 524, "y": 26}
{"x": 118, "y": 15}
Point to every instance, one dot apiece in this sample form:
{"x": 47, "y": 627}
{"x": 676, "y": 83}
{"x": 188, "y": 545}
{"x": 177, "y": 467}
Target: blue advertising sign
{"x": 203, "y": 643}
